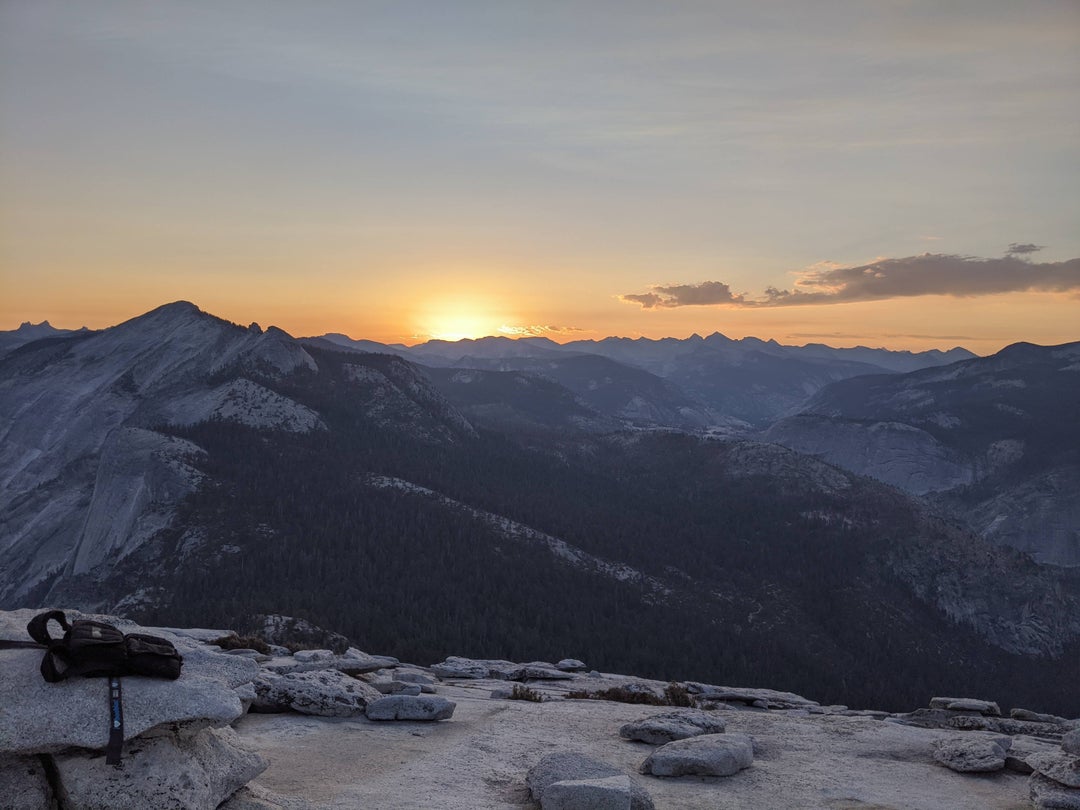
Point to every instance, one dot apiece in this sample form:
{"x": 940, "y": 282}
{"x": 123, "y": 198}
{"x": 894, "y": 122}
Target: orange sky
{"x": 411, "y": 170}
{"x": 983, "y": 324}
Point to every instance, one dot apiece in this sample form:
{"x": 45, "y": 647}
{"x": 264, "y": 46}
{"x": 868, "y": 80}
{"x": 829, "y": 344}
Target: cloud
{"x": 538, "y": 331}
{"x": 1022, "y": 248}
{"x": 707, "y": 293}
{"x": 882, "y": 279}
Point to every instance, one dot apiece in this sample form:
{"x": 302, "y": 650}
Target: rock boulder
{"x": 660, "y": 729}
{"x": 707, "y": 755}
{"x": 1046, "y": 794}
{"x": 1060, "y": 766}
{"x": 971, "y": 755}
{"x": 325, "y": 693}
{"x": 574, "y": 766}
{"x": 986, "y": 707}
{"x": 410, "y": 707}
{"x": 610, "y": 793}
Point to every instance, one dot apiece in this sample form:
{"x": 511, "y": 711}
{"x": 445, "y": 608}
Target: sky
{"x": 889, "y": 173}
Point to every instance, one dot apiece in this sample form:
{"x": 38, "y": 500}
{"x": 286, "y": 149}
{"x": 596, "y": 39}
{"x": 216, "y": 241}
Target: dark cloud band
{"x": 928, "y": 274}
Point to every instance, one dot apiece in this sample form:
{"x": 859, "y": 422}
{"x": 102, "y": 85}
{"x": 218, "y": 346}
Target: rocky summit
{"x": 243, "y": 729}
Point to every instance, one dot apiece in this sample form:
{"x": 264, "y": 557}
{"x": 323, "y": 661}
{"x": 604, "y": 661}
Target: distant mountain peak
{"x": 718, "y": 337}
{"x": 176, "y": 307}
{"x": 177, "y": 314}
{"x": 26, "y": 326}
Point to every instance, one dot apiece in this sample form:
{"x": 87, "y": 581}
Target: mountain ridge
{"x": 186, "y": 454}
{"x": 992, "y": 440}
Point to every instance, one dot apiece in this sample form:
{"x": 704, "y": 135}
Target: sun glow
{"x": 458, "y": 319}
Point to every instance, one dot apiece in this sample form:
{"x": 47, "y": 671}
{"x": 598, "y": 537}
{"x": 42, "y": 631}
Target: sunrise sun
{"x": 458, "y": 318}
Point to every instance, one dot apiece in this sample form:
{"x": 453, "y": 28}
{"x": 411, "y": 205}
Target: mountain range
{"x": 731, "y": 384}
{"x": 179, "y": 468}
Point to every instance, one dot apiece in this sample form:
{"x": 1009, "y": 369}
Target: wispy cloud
{"x": 849, "y": 336}
{"x": 882, "y": 279}
{"x": 538, "y": 330}
{"x": 1022, "y": 249}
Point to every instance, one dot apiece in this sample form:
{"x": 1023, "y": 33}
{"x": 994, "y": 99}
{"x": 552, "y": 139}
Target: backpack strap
{"x": 116, "y": 723}
{"x": 49, "y": 670}
{"x": 5, "y": 644}
{"x": 38, "y": 628}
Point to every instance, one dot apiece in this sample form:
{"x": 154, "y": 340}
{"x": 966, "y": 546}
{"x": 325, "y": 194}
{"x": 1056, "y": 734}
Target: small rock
{"x": 610, "y": 793}
{"x": 966, "y": 755}
{"x": 571, "y": 665}
{"x": 537, "y": 671}
{"x": 1046, "y": 794}
{"x": 308, "y": 656}
{"x": 457, "y": 667}
{"x": 1060, "y": 766}
{"x": 1022, "y": 749}
{"x": 1070, "y": 743}
{"x": 357, "y": 662}
{"x": 966, "y": 705}
{"x": 707, "y": 755}
{"x": 670, "y": 726}
{"x": 574, "y": 766}
{"x": 1035, "y": 717}
{"x": 410, "y": 707}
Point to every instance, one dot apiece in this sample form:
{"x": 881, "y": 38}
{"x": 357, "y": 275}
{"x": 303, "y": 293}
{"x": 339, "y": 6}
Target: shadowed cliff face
{"x": 995, "y": 441}
{"x": 87, "y": 475}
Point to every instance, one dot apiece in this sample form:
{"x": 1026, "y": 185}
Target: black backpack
{"x": 95, "y": 649}
{"x": 98, "y": 650}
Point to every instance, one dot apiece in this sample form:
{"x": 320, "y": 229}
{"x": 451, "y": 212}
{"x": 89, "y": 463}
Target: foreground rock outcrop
{"x": 178, "y": 752}
{"x": 344, "y": 732}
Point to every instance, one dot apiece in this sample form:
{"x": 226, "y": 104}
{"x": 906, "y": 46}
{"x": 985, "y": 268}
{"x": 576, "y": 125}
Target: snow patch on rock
{"x": 247, "y": 403}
